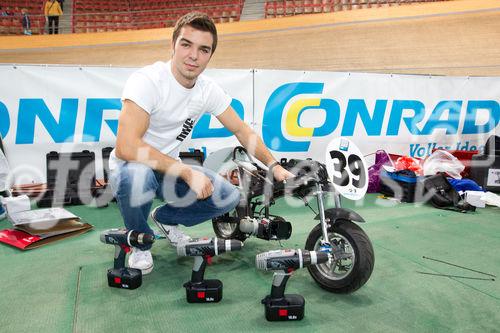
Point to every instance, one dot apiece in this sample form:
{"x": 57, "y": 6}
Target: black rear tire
{"x": 227, "y": 226}
{"x": 353, "y": 271}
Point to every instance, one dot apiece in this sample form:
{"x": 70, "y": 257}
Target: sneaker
{"x": 141, "y": 260}
{"x": 172, "y": 232}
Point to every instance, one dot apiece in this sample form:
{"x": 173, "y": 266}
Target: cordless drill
{"x": 278, "y": 306}
{"x": 199, "y": 290}
{"x": 120, "y": 276}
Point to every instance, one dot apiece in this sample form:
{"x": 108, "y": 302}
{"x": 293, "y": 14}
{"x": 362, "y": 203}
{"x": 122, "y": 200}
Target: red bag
{"x": 408, "y": 163}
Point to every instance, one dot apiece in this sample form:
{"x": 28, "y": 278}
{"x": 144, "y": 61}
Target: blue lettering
{"x": 202, "y": 128}
{"x": 470, "y": 126}
{"x": 30, "y": 109}
{"x": 332, "y": 110}
{"x": 357, "y": 107}
{"x": 93, "y": 117}
{"x": 4, "y": 120}
{"x": 272, "y": 132}
{"x": 411, "y": 121}
{"x": 450, "y": 124}
{"x": 413, "y": 149}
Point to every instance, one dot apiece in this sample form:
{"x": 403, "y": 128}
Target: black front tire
{"x": 353, "y": 271}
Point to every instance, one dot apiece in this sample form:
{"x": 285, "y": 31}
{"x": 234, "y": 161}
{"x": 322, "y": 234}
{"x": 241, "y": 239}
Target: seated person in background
{"x": 8, "y": 12}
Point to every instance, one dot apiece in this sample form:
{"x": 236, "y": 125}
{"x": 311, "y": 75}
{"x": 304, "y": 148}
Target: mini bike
{"x": 352, "y": 258}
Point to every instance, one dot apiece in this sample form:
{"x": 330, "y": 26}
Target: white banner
{"x": 298, "y": 113}
{"x": 57, "y": 108}
{"x": 208, "y": 134}
{"x": 69, "y": 108}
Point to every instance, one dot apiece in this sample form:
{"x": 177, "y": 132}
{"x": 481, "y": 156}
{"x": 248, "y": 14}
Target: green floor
{"x": 62, "y": 287}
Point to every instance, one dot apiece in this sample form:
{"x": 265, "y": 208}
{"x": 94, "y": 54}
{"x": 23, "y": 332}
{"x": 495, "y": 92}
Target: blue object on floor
{"x": 464, "y": 185}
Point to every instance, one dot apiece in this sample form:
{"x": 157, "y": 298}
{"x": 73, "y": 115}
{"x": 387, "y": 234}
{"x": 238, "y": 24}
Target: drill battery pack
{"x": 125, "y": 278}
{"x": 207, "y": 291}
{"x": 289, "y": 307}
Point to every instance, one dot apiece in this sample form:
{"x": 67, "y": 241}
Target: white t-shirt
{"x": 173, "y": 109}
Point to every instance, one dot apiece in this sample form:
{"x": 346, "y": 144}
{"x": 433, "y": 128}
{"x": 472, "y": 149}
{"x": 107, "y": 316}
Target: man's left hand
{"x": 281, "y": 174}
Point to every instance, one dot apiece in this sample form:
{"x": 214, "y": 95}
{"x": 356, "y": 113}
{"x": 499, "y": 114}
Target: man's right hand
{"x": 198, "y": 182}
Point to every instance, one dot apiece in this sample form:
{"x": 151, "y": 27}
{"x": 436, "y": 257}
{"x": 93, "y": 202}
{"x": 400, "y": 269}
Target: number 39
{"x": 355, "y": 165}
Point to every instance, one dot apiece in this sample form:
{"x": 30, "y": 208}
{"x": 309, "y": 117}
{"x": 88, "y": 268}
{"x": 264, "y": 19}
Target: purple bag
{"x": 381, "y": 158}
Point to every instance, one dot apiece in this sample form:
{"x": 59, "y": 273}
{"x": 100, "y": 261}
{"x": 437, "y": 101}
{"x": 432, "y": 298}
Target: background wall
{"x": 443, "y": 38}
{"x": 450, "y": 38}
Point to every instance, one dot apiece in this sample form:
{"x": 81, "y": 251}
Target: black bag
{"x": 492, "y": 146}
{"x": 444, "y": 195}
{"x": 404, "y": 185}
{"x": 484, "y": 168}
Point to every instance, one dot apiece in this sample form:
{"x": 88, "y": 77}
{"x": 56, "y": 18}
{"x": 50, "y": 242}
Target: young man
{"x": 161, "y": 103}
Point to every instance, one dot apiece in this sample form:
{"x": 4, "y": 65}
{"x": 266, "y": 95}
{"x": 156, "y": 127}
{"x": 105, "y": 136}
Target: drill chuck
{"x": 140, "y": 238}
{"x": 124, "y": 237}
{"x": 207, "y": 247}
{"x": 285, "y": 260}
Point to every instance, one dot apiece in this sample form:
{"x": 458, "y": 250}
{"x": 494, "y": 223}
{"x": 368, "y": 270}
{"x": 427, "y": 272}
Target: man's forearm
{"x": 144, "y": 153}
{"x": 255, "y": 146}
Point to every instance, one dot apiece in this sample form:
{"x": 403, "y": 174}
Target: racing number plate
{"x": 346, "y": 168}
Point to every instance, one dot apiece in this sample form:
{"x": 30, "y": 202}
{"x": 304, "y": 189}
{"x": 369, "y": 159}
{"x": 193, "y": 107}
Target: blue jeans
{"x": 135, "y": 185}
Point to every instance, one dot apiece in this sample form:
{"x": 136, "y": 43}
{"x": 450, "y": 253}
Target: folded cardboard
{"x": 34, "y": 228}
{"x": 25, "y": 241}
{"x": 49, "y": 229}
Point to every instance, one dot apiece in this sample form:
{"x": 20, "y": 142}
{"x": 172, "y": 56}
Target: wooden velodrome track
{"x": 459, "y": 37}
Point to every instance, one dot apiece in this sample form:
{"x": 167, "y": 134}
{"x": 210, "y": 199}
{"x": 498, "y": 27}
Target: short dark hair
{"x": 199, "y": 21}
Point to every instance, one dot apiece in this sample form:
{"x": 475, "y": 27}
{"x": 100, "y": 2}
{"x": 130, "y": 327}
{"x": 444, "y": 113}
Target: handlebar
{"x": 309, "y": 172}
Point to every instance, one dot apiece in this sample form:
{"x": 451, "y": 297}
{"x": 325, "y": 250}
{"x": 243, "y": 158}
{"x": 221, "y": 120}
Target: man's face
{"x": 191, "y": 53}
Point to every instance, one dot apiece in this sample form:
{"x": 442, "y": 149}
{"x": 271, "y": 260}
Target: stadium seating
{"x": 103, "y": 15}
{"x": 282, "y": 8}
{"x": 106, "y": 15}
{"x": 12, "y": 25}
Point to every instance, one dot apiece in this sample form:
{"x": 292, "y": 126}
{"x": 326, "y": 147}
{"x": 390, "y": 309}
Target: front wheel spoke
{"x": 332, "y": 267}
{"x": 344, "y": 268}
{"x": 228, "y": 228}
